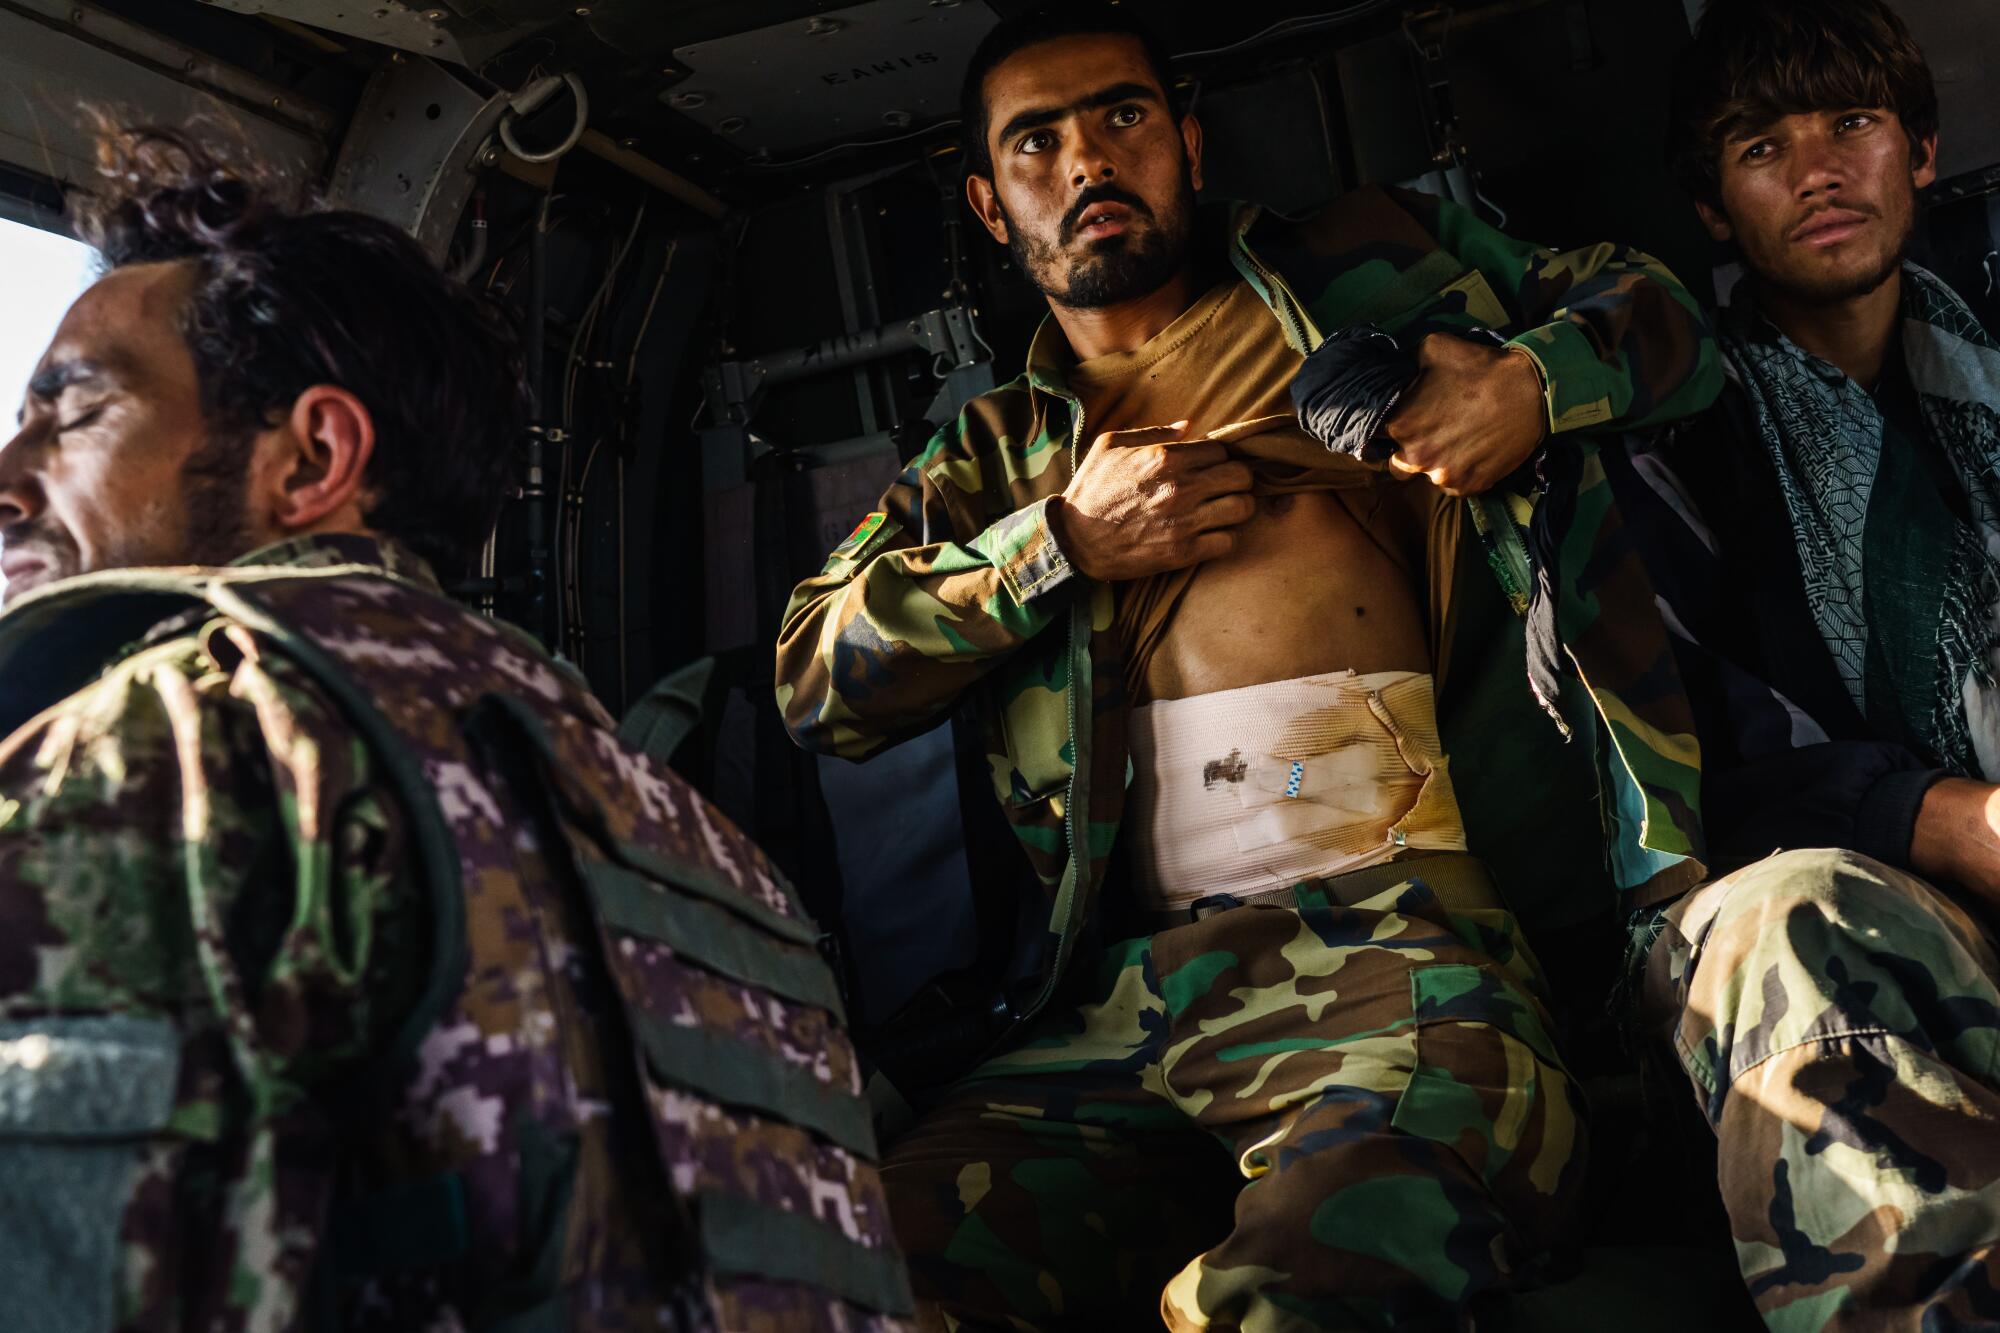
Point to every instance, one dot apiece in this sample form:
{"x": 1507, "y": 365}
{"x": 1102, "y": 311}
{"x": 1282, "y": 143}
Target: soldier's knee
{"x": 1824, "y": 900}
{"x": 1821, "y": 876}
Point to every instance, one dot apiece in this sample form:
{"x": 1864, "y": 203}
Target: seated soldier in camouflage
{"x": 352, "y": 973}
{"x": 1132, "y": 563}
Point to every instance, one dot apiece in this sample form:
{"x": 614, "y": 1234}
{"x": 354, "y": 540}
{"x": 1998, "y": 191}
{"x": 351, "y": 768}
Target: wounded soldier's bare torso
{"x": 1308, "y": 590}
{"x": 1302, "y": 659}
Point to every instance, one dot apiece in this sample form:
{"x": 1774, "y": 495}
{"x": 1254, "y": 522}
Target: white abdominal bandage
{"x": 1248, "y": 790}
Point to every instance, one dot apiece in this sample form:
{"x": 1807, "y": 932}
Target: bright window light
{"x": 40, "y": 274}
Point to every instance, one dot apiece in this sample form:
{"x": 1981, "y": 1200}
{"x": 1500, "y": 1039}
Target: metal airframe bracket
{"x": 414, "y": 150}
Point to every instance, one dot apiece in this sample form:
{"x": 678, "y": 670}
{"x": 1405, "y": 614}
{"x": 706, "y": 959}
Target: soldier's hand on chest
{"x": 1146, "y": 501}
{"x": 1473, "y": 414}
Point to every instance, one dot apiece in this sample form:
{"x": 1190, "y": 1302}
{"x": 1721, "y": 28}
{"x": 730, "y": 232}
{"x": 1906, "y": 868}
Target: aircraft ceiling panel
{"x": 465, "y": 32}
{"x": 869, "y": 70}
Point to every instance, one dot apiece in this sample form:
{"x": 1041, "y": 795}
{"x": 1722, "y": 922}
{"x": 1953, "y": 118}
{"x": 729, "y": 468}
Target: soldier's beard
{"x": 215, "y": 488}
{"x": 1135, "y": 263}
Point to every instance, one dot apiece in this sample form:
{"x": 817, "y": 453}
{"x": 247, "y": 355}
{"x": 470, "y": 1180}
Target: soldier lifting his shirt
{"x": 1203, "y": 637}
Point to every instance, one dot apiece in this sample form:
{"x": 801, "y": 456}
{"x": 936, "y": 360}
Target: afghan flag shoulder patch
{"x": 858, "y": 538}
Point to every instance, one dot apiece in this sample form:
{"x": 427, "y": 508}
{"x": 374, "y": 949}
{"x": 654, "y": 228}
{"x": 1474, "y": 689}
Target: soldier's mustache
{"x": 29, "y": 535}
{"x": 1101, "y": 194}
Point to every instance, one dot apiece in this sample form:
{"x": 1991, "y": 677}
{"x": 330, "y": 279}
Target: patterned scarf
{"x": 1825, "y": 435}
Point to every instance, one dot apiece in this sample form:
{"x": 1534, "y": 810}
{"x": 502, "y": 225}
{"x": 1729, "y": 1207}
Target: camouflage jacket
{"x": 353, "y": 974}
{"x": 954, "y": 591}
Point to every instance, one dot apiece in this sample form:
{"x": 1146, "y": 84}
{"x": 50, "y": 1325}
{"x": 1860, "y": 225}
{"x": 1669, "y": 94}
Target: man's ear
{"x": 1715, "y": 220}
{"x": 985, "y": 201}
{"x": 314, "y": 479}
{"x": 1191, "y": 140}
{"x": 1923, "y": 163}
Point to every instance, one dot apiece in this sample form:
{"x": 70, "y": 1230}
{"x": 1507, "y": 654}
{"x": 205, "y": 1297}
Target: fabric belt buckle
{"x": 1202, "y": 908}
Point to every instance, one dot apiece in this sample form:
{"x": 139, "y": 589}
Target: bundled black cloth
{"x": 1787, "y": 759}
{"x": 1344, "y": 394}
{"x": 1350, "y": 384}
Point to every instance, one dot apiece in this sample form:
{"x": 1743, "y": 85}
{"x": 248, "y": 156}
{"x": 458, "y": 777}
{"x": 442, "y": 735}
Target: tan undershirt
{"x": 1332, "y": 573}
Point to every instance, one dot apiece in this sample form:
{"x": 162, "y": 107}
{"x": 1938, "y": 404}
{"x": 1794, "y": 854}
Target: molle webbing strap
{"x": 640, "y": 893}
{"x": 745, "y": 1239}
{"x": 697, "y": 929}
{"x": 713, "y": 1065}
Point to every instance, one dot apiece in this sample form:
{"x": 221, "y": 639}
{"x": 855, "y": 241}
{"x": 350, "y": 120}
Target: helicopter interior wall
{"x": 1556, "y": 104}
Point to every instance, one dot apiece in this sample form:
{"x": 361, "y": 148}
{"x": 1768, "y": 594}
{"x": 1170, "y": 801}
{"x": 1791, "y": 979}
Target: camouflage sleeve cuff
{"x": 1022, "y": 548}
{"x": 1580, "y": 389}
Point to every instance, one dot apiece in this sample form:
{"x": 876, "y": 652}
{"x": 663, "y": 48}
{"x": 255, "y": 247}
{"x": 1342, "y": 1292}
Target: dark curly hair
{"x": 1075, "y": 18}
{"x": 1755, "y": 61}
{"x": 287, "y": 296}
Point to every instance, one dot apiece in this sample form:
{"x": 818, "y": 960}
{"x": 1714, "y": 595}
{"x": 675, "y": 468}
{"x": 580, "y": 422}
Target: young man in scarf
{"x": 1822, "y": 543}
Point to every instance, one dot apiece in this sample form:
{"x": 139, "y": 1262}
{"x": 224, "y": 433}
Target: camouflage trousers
{"x": 1840, "y": 1022}
{"x": 1275, "y": 1118}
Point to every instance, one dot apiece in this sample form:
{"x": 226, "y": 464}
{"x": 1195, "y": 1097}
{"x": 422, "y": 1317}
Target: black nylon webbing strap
{"x": 660, "y": 723}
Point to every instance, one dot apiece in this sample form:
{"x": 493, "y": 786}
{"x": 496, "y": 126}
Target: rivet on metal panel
{"x": 732, "y": 124}
{"x": 822, "y": 26}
